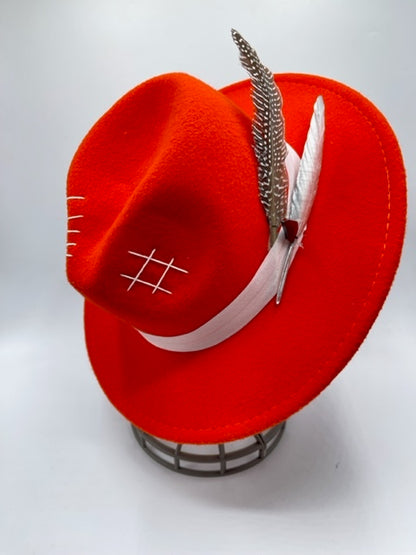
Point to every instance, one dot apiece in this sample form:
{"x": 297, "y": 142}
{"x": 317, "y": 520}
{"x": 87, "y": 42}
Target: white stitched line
{"x": 159, "y": 261}
{"x": 145, "y": 283}
{"x": 74, "y": 231}
{"x": 148, "y": 259}
{"x": 75, "y": 217}
{"x": 70, "y": 245}
{"x": 156, "y": 287}
{"x": 75, "y": 198}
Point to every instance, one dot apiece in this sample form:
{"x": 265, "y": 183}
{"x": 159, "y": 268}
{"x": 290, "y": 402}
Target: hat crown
{"x": 172, "y": 228}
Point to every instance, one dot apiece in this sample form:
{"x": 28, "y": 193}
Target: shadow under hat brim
{"x": 336, "y": 286}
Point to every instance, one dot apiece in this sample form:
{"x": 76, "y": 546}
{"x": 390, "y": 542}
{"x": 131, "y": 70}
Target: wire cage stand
{"x": 211, "y": 460}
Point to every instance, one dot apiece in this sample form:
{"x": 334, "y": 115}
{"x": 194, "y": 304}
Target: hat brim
{"x": 336, "y": 286}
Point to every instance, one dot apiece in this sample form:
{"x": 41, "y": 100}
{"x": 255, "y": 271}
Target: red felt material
{"x": 171, "y": 167}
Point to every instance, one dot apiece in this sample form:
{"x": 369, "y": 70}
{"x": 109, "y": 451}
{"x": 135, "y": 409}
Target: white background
{"x": 72, "y": 479}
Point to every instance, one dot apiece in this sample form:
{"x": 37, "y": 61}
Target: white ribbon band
{"x": 254, "y": 297}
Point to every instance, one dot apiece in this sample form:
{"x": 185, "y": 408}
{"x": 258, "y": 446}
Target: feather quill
{"x": 269, "y": 137}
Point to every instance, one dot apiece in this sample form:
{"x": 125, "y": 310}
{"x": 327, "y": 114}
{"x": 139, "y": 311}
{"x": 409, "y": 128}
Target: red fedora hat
{"x": 168, "y": 242}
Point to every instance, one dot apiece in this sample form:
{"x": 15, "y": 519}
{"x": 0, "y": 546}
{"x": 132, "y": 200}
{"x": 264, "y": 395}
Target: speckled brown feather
{"x": 269, "y": 136}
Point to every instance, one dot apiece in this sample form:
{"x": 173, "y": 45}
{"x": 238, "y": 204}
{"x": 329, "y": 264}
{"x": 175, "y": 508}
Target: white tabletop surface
{"x": 72, "y": 479}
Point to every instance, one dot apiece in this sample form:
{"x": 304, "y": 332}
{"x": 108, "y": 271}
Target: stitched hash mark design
{"x": 70, "y": 218}
{"x": 147, "y": 260}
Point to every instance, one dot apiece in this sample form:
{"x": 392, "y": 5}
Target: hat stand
{"x": 213, "y": 459}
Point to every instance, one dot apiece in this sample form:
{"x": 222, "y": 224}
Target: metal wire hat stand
{"x": 211, "y": 460}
